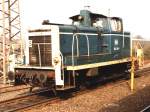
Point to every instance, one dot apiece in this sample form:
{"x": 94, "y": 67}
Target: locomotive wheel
{"x": 23, "y": 78}
{"x": 42, "y": 78}
{"x": 35, "y": 80}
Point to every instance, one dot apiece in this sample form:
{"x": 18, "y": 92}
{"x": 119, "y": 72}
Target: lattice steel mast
{"x": 10, "y": 31}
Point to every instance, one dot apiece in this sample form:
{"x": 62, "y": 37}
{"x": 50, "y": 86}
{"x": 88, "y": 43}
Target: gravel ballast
{"x": 115, "y": 97}
{"x": 111, "y": 97}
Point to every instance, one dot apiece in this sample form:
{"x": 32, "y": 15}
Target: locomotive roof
{"x": 94, "y": 16}
{"x": 116, "y": 18}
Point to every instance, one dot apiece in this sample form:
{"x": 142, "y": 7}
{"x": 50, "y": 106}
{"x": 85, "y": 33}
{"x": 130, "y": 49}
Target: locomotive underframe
{"x": 72, "y": 77}
{"x": 43, "y": 77}
{"x": 35, "y": 76}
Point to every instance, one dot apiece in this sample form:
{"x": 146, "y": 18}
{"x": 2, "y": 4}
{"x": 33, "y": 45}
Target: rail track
{"x": 115, "y": 83}
{"x": 147, "y": 109}
{"x": 5, "y": 87}
{"x": 143, "y": 71}
{"x": 26, "y": 101}
{"x": 41, "y": 97}
{"x": 13, "y": 88}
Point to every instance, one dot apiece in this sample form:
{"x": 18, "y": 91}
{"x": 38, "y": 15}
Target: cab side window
{"x": 101, "y": 23}
{"x": 116, "y": 25}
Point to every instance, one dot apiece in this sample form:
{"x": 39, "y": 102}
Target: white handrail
{"x": 39, "y": 54}
{"x": 74, "y": 36}
{"x": 109, "y": 25}
{"x": 88, "y": 45}
{"x": 62, "y": 64}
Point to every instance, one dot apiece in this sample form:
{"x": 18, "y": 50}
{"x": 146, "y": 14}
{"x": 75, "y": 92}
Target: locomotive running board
{"x": 79, "y": 67}
{"x": 69, "y": 81}
{"x": 59, "y": 88}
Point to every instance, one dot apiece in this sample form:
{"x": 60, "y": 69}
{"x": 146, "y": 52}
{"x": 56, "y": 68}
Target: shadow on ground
{"x": 133, "y": 103}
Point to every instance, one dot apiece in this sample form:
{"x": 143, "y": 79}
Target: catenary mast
{"x": 10, "y": 32}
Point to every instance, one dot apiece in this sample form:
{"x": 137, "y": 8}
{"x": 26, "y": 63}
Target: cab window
{"x": 100, "y": 22}
{"x": 116, "y": 25}
{"x": 77, "y": 23}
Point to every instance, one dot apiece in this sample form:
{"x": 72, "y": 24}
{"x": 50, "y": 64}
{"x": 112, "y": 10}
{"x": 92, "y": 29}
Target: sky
{"x": 135, "y": 13}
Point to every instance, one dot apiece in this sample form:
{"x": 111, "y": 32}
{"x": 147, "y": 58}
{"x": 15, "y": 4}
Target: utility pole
{"x": 10, "y": 32}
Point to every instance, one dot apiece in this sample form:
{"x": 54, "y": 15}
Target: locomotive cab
{"x": 88, "y": 19}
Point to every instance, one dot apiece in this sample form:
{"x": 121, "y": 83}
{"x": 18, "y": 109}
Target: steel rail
{"x": 10, "y": 86}
{"x": 26, "y": 95}
{"x": 4, "y": 90}
{"x": 146, "y": 109}
{"x": 28, "y": 106}
{"x": 22, "y": 101}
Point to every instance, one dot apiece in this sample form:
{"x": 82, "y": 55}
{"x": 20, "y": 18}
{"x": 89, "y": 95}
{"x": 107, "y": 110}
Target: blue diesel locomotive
{"x": 63, "y": 56}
